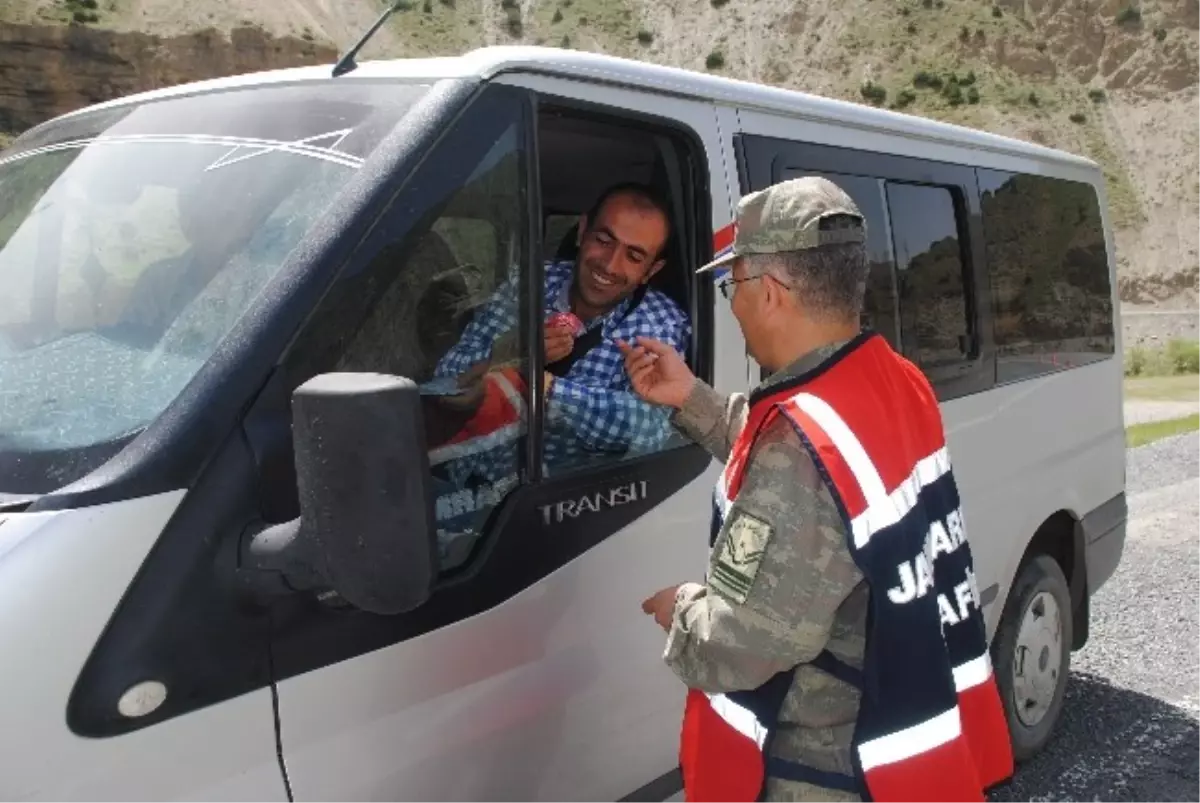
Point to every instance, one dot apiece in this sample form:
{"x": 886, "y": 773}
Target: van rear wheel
{"x": 1032, "y": 654}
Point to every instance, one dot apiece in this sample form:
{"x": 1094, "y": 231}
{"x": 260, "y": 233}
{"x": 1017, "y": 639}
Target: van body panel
{"x": 61, "y": 576}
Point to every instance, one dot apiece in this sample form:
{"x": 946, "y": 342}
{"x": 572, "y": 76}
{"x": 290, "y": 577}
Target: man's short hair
{"x": 644, "y": 197}
{"x": 831, "y": 279}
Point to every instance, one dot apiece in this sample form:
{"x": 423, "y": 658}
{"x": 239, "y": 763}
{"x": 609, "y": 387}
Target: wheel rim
{"x": 1037, "y": 659}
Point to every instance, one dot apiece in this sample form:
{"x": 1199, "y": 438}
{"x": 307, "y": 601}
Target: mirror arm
{"x": 278, "y": 560}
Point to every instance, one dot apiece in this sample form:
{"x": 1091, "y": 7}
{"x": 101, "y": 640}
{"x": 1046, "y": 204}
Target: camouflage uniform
{"x": 806, "y": 594}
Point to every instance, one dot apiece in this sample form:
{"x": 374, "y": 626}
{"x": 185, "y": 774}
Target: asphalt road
{"x": 1129, "y": 729}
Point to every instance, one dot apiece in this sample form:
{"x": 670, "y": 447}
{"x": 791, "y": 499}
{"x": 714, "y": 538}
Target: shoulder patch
{"x": 733, "y": 572}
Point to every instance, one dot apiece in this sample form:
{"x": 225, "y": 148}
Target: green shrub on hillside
{"x": 1129, "y": 16}
{"x": 873, "y": 93}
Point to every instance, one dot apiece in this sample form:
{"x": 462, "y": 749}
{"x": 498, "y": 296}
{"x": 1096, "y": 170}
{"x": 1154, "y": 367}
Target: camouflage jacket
{"x": 807, "y": 594}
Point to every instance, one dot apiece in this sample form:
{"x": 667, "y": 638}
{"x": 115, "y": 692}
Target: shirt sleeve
{"x": 614, "y": 418}
{"x": 712, "y": 419}
{"x": 780, "y": 569}
{"x": 491, "y": 321}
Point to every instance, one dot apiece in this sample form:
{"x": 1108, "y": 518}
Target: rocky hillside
{"x": 1113, "y": 79}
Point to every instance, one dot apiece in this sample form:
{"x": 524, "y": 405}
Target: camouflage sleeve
{"x": 779, "y": 570}
{"x": 711, "y": 419}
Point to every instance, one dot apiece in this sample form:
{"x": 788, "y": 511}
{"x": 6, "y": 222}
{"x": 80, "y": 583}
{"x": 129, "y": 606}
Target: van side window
{"x": 1049, "y": 273}
{"x": 880, "y": 301}
{"x": 934, "y": 308}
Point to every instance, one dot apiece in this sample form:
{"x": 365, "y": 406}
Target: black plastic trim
{"x": 1105, "y": 518}
{"x": 660, "y": 788}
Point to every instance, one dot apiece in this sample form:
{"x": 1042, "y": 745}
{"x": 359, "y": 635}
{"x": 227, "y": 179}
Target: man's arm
{"x": 779, "y": 571}
{"x": 614, "y": 419}
{"x": 496, "y": 317}
{"x": 712, "y": 420}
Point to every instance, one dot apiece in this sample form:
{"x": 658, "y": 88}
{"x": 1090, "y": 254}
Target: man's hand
{"x": 473, "y": 381}
{"x": 558, "y": 341}
{"x": 657, "y": 372}
{"x": 662, "y": 606}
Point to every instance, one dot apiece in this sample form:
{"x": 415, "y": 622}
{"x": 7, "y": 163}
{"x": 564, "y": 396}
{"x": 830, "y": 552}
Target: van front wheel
{"x": 1032, "y": 654}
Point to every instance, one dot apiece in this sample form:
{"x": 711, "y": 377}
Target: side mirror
{"x": 366, "y": 526}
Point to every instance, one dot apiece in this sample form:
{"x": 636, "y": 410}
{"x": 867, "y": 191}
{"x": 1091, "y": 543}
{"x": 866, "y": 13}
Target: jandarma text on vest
{"x": 916, "y": 575}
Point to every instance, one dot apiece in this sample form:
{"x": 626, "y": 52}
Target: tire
{"x": 1032, "y": 654}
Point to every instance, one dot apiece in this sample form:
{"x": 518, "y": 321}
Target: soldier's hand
{"x": 662, "y": 606}
{"x": 657, "y": 372}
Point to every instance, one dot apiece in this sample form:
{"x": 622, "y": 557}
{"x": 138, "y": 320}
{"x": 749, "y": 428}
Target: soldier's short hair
{"x": 830, "y": 279}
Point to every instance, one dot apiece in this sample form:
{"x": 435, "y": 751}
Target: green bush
{"x": 905, "y": 98}
{"x": 954, "y": 94}
{"x": 1183, "y": 356}
{"x": 718, "y": 3}
{"x": 927, "y": 80}
{"x": 969, "y": 79}
{"x": 558, "y": 17}
{"x": 645, "y": 37}
{"x": 1160, "y": 34}
{"x": 715, "y": 60}
{"x": 996, "y": 12}
{"x": 1136, "y": 361}
{"x": 973, "y": 95}
{"x": 873, "y": 93}
{"x": 1129, "y": 16}
{"x": 1096, "y": 95}
{"x": 1034, "y": 100}
{"x": 1078, "y": 118}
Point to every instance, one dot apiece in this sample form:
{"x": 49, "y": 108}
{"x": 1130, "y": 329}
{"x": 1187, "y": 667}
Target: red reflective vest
{"x": 931, "y": 725}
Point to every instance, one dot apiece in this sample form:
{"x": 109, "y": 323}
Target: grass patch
{"x": 1176, "y": 358}
{"x": 1163, "y": 388}
{"x": 715, "y": 60}
{"x": 1142, "y": 434}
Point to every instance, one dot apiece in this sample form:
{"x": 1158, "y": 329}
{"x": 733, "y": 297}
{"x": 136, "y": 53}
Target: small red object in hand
{"x": 566, "y": 320}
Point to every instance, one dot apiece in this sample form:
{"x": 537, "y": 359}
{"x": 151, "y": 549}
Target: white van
{"x": 180, "y": 268}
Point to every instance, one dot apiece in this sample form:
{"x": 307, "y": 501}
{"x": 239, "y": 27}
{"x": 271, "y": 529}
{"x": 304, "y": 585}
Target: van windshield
{"x": 132, "y": 239}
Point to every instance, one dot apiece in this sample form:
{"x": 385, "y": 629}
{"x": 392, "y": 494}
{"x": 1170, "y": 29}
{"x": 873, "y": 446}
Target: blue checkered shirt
{"x": 592, "y": 410}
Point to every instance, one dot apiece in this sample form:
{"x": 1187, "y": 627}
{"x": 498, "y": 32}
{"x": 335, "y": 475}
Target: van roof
{"x": 488, "y": 62}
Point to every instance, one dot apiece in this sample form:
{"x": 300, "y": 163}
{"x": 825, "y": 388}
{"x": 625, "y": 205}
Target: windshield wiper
{"x": 347, "y": 63}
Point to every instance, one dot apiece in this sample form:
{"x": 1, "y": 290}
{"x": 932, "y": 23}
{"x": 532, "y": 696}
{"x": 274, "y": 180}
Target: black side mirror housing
{"x": 366, "y": 526}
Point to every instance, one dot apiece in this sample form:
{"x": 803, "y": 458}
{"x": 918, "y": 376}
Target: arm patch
{"x": 741, "y": 554}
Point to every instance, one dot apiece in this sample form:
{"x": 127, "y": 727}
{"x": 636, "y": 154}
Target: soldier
{"x": 836, "y": 498}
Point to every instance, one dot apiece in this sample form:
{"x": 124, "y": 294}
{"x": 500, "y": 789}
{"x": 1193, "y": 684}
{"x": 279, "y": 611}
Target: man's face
{"x": 618, "y": 251}
{"x": 758, "y": 302}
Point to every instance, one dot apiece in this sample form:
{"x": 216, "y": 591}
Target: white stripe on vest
{"x": 883, "y": 509}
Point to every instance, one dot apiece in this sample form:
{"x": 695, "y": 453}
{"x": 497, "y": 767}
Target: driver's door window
{"x": 440, "y": 302}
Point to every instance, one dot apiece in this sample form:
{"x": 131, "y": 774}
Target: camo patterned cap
{"x": 786, "y": 217}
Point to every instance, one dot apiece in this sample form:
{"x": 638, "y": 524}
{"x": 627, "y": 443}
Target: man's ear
{"x": 655, "y": 267}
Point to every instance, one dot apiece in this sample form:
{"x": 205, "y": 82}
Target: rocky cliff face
{"x": 47, "y": 70}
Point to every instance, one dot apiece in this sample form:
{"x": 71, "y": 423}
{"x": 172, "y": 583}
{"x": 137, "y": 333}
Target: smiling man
{"x": 590, "y": 404}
